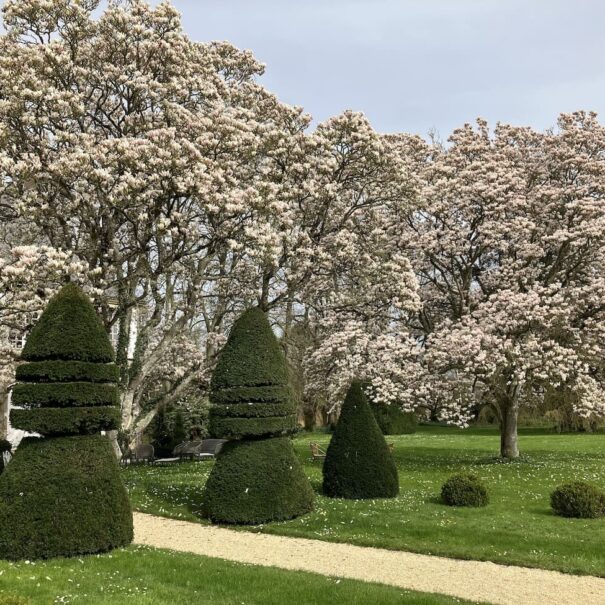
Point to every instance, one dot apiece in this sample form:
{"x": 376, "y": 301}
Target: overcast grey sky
{"x": 418, "y": 65}
{"x": 413, "y": 65}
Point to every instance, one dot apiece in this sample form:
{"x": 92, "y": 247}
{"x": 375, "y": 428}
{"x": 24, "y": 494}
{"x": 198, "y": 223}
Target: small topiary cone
{"x": 62, "y": 495}
{"x": 358, "y": 463}
{"x": 257, "y": 477}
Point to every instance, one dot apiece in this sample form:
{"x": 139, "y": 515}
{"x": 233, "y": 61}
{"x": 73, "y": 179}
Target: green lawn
{"x": 516, "y": 527}
{"x": 143, "y": 576}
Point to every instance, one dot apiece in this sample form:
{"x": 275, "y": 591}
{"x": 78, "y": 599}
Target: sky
{"x": 420, "y": 65}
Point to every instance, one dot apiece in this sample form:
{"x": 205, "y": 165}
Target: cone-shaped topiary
{"x": 69, "y": 329}
{"x": 358, "y": 462}
{"x": 62, "y": 495}
{"x": 257, "y": 477}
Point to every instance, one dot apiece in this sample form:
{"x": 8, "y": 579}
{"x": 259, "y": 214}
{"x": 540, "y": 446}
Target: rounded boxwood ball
{"x": 257, "y": 481}
{"x": 464, "y": 490}
{"x": 358, "y": 462}
{"x": 578, "y": 499}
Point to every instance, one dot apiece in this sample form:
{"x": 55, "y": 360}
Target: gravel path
{"x": 473, "y": 580}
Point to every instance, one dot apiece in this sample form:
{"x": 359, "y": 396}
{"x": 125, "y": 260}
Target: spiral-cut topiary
{"x": 62, "y": 495}
{"x": 358, "y": 462}
{"x": 257, "y": 477}
{"x": 249, "y": 387}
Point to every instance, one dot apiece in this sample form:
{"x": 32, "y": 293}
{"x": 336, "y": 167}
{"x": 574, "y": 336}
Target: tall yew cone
{"x": 358, "y": 462}
{"x": 62, "y": 494}
{"x": 257, "y": 477}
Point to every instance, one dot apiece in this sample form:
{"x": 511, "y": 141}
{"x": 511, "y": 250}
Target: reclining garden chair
{"x": 209, "y": 449}
{"x": 188, "y": 449}
{"x": 316, "y": 452}
{"x": 141, "y": 453}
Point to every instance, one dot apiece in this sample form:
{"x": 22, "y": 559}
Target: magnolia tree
{"x": 510, "y": 251}
{"x": 362, "y": 291}
{"x": 183, "y": 192}
{"x": 140, "y": 152}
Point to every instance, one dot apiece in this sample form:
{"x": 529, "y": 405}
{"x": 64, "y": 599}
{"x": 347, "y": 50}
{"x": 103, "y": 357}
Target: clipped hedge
{"x": 464, "y": 490}
{"x": 64, "y": 394}
{"x": 54, "y": 422}
{"x": 256, "y": 482}
{"x": 67, "y": 371}
{"x": 69, "y": 329}
{"x": 237, "y": 428}
{"x": 358, "y": 462}
{"x": 251, "y": 374}
{"x": 257, "y": 477}
{"x": 251, "y": 356}
{"x": 578, "y": 499}
{"x": 63, "y": 497}
{"x": 393, "y": 421}
{"x": 279, "y": 393}
{"x": 251, "y": 410}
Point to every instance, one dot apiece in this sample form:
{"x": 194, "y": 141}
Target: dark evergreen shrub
{"x": 64, "y": 371}
{"x": 464, "y": 490}
{"x": 54, "y": 422}
{"x": 195, "y": 411}
{"x": 392, "y": 420}
{"x": 64, "y": 394}
{"x": 358, "y": 462}
{"x": 5, "y": 446}
{"x": 171, "y": 426}
{"x": 62, "y": 494}
{"x": 236, "y": 428}
{"x": 251, "y": 357}
{"x": 179, "y": 433}
{"x": 63, "y": 497}
{"x": 251, "y": 373}
{"x": 257, "y": 477}
{"x": 257, "y": 483}
{"x": 578, "y": 499}
{"x": 69, "y": 329}
{"x": 161, "y": 435}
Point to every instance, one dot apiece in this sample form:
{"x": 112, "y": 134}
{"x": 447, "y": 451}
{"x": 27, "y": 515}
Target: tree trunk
{"x": 509, "y": 446}
{"x": 3, "y": 412}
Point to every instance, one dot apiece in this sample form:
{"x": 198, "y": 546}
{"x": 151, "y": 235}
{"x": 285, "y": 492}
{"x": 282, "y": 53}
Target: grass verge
{"x": 517, "y": 527}
{"x": 145, "y": 576}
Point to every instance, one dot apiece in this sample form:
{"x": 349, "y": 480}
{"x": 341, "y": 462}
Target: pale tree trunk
{"x": 509, "y": 444}
{"x": 141, "y": 422}
{"x": 3, "y": 412}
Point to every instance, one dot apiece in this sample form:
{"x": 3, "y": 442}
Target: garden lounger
{"x": 316, "y": 452}
{"x": 209, "y": 449}
{"x": 141, "y": 453}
